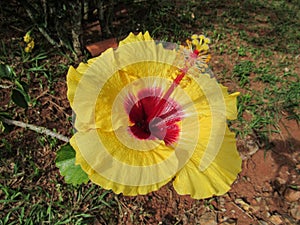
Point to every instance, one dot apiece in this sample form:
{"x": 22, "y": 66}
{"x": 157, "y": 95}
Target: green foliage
{"x": 19, "y": 93}
{"x": 6, "y": 72}
{"x": 243, "y": 70}
{"x": 65, "y": 161}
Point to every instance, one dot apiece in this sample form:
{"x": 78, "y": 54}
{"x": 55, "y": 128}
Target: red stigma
{"x": 196, "y": 52}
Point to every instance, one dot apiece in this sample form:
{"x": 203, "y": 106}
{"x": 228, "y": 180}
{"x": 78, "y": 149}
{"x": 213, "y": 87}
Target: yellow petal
{"x": 216, "y": 179}
{"x": 109, "y": 183}
{"x": 231, "y": 103}
{"x": 73, "y": 78}
{"x": 134, "y": 38}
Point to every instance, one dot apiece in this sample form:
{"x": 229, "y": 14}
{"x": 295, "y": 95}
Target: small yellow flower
{"x": 27, "y": 49}
{"x": 29, "y": 46}
{"x": 27, "y": 38}
{"x": 29, "y": 41}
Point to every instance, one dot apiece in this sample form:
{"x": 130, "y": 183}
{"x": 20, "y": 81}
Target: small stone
{"x": 261, "y": 222}
{"x": 267, "y": 214}
{"x": 280, "y": 180}
{"x": 223, "y": 219}
{"x": 291, "y": 195}
{"x": 243, "y": 204}
{"x": 258, "y": 199}
{"x": 229, "y": 222}
{"x": 295, "y": 211}
{"x": 208, "y": 218}
{"x": 276, "y": 220}
{"x": 255, "y": 208}
{"x": 222, "y": 204}
{"x": 185, "y": 219}
{"x": 252, "y": 147}
{"x": 222, "y": 201}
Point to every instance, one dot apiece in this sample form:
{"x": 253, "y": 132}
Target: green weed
{"x": 242, "y": 71}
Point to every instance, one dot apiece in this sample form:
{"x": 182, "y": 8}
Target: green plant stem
{"x": 38, "y": 129}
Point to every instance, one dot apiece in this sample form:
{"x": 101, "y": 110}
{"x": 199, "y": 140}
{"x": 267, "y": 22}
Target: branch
{"x": 41, "y": 130}
{"x": 77, "y": 27}
{"x": 5, "y": 86}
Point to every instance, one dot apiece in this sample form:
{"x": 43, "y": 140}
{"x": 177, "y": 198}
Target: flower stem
{"x": 38, "y": 129}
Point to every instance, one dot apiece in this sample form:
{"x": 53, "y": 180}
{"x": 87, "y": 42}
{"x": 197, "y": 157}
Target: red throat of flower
{"x": 163, "y": 126}
{"x": 154, "y": 115}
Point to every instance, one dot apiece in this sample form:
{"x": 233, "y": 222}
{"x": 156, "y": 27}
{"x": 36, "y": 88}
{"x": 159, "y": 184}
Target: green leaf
{"x": 19, "y": 98}
{"x": 2, "y": 128}
{"x": 6, "y": 71}
{"x": 23, "y": 87}
{"x": 5, "y": 114}
{"x": 65, "y": 161}
{"x": 5, "y": 128}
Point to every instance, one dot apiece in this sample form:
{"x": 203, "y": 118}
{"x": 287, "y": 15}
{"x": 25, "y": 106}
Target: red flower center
{"x": 153, "y": 116}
